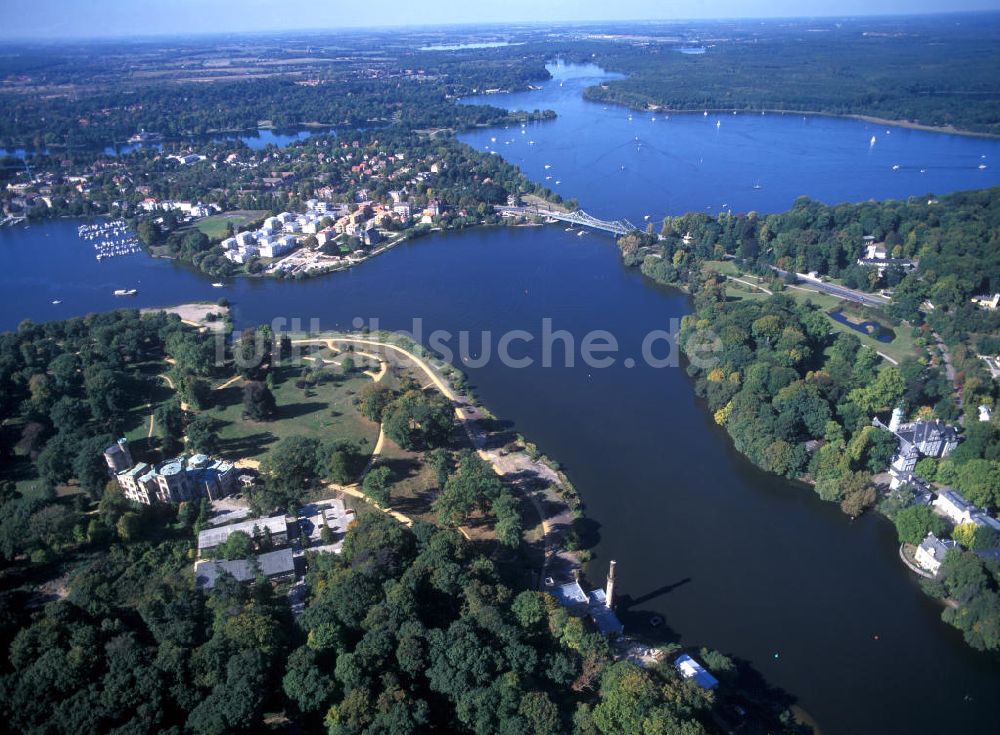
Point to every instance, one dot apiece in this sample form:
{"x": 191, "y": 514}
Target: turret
{"x": 896, "y": 420}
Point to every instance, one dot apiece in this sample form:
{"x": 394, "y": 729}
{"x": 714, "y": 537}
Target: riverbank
{"x": 526, "y": 471}
{"x": 908, "y": 124}
{"x": 204, "y": 316}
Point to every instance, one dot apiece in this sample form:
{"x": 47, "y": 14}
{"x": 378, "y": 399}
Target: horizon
{"x": 123, "y": 20}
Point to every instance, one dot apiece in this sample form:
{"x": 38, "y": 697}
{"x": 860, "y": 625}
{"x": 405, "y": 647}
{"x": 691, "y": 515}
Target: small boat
{"x": 125, "y": 292}
{"x": 548, "y": 166}
{"x": 569, "y": 229}
{"x": 218, "y": 285}
{"x": 872, "y": 141}
{"x": 718, "y": 124}
{"x": 56, "y": 302}
{"x": 705, "y": 113}
{"x": 982, "y": 166}
{"x": 581, "y": 232}
{"x": 895, "y": 167}
{"x": 756, "y": 185}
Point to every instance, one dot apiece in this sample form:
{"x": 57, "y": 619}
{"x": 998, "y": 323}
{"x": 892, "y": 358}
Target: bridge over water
{"x": 578, "y": 217}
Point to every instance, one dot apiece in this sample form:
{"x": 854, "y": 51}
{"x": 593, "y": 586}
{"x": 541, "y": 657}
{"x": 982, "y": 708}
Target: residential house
{"x": 987, "y": 302}
{"x": 932, "y": 551}
{"x": 954, "y": 507}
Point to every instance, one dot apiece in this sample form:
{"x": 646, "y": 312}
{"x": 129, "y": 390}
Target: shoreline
{"x": 874, "y": 119}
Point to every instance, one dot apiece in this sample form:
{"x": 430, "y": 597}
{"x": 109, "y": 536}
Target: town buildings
{"x": 274, "y": 566}
{"x": 916, "y": 439}
{"x": 274, "y": 528}
{"x": 876, "y": 256}
{"x": 951, "y": 505}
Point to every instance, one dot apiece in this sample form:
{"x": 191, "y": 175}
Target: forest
{"x": 798, "y": 399}
{"x": 412, "y": 92}
{"x": 408, "y": 630}
{"x": 934, "y": 73}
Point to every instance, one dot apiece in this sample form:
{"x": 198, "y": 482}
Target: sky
{"x": 116, "y": 18}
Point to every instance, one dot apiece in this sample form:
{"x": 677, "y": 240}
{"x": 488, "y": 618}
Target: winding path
{"x": 559, "y": 520}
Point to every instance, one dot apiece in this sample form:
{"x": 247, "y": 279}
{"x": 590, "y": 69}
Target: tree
{"x": 913, "y": 524}
{"x": 239, "y": 545}
{"x": 201, "y": 435}
{"x": 857, "y": 493}
{"x": 979, "y": 482}
{"x": 258, "y": 402}
{"x": 169, "y": 420}
{"x": 129, "y": 526}
{"x": 415, "y": 420}
{"x": 508, "y": 524}
{"x": 473, "y": 486}
{"x": 305, "y": 684}
{"x": 291, "y": 466}
{"x": 376, "y": 485}
{"x": 975, "y": 537}
{"x": 344, "y": 463}
{"x": 372, "y": 400}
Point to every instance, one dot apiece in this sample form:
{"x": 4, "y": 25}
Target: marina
{"x": 110, "y": 239}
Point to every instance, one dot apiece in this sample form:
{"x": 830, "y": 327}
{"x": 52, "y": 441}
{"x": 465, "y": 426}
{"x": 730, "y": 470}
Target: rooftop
{"x": 212, "y": 537}
{"x": 570, "y": 594}
{"x": 691, "y": 669}
{"x": 936, "y": 547}
{"x": 271, "y": 564}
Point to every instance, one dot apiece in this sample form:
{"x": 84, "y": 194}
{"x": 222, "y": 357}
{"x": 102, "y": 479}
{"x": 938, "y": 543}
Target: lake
{"x": 255, "y": 140}
{"x": 731, "y": 557}
{"x": 621, "y": 163}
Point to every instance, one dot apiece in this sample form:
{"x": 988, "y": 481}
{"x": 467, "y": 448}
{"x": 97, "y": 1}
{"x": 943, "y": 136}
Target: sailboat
{"x": 718, "y": 124}
{"x": 756, "y": 184}
{"x": 872, "y": 141}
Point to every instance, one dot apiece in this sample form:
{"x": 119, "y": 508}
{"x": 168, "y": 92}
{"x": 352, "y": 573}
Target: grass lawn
{"x": 217, "y": 227}
{"x": 326, "y": 412}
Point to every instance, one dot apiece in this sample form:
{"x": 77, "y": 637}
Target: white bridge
{"x": 579, "y": 217}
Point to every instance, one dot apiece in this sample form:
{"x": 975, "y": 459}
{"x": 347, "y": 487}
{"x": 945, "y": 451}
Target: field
{"x": 217, "y": 227}
{"x": 325, "y": 411}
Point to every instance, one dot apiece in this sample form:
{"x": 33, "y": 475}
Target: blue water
{"x": 620, "y": 167}
{"x": 729, "y": 556}
{"x": 871, "y": 328}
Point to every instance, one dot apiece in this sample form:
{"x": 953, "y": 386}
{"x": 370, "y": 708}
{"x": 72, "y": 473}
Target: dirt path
{"x": 555, "y": 523}
{"x": 228, "y": 382}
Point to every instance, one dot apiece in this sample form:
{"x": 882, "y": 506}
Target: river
{"x": 731, "y": 557}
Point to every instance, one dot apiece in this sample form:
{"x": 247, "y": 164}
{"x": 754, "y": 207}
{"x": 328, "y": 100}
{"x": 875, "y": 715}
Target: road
{"x": 841, "y": 292}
